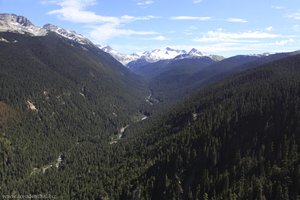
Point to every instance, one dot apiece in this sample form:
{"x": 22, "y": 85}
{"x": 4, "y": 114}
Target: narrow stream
{"x": 123, "y": 129}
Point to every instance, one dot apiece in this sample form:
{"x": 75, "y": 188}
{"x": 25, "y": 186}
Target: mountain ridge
{"x": 156, "y": 55}
{"x": 20, "y": 24}
{"x": 71, "y": 35}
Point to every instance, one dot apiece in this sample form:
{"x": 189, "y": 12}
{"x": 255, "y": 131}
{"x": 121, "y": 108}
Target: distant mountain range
{"x": 19, "y": 24}
{"x": 155, "y": 55}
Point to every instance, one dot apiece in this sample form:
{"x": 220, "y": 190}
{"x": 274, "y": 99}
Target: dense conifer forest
{"x": 236, "y": 139}
{"x": 71, "y": 126}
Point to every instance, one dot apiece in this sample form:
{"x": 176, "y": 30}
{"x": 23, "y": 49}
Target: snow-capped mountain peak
{"x": 122, "y": 58}
{"x": 108, "y": 49}
{"x": 152, "y": 56}
{"x": 195, "y": 52}
{"x": 19, "y": 24}
{"x": 71, "y": 35}
{"x": 161, "y": 54}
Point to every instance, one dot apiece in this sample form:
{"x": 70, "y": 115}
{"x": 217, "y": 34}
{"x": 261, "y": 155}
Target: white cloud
{"x": 284, "y": 42}
{"x": 220, "y": 36}
{"x": 269, "y": 28}
{"x": 234, "y": 48}
{"x": 128, "y": 18}
{"x": 159, "y": 38}
{"x": 144, "y": 3}
{"x": 191, "y": 30}
{"x": 205, "y": 18}
{"x": 278, "y": 7}
{"x": 105, "y": 32}
{"x": 100, "y": 28}
{"x": 296, "y": 28}
{"x": 249, "y": 41}
{"x": 74, "y": 11}
{"x": 193, "y": 27}
{"x": 236, "y": 20}
{"x": 295, "y": 15}
{"x": 81, "y": 16}
{"x": 197, "y": 1}
{"x": 45, "y": 2}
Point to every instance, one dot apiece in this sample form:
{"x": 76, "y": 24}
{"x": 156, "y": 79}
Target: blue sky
{"x": 223, "y": 27}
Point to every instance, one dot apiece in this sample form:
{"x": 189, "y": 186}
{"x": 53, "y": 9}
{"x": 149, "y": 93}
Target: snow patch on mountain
{"x": 19, "y": 24}
{"x": 3, "y": 40}
{"x": 191, "y": 54}
{"x": 122, "y": 58}
{"x": 155, "y": 55}
{"x": 161, "y": 54}
{"x": 195, "y": 52}
{"x": 71, "y": 35}
{"x": 148, "y": 56}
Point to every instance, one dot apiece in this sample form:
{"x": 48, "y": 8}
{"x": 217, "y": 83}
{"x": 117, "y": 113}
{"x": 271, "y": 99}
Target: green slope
{"x": 57, "y": 97}
{"x": 167, "y": 78}
{"x": 172, "y": 81}
{"x": 237, "y": 139}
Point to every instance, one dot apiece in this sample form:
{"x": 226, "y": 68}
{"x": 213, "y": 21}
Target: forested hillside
{"x": 237, "y": 139}
{"x": 167, "y": 78}
{"x": 76, "y": 124}
{"x": 172, "y": 81}
{"x": 56, "y": 97}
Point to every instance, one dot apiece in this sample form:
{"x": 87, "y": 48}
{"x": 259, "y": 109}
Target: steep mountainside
{"x": 166, "y": 79}
{"x": 236, "y": 64}
{"x": 57, "y": 97}
{"x": 54, "y": 61}
{"x": 174, "y": 84}
{"x": 237, "y": 139}
{"x": 172, "y": 68}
